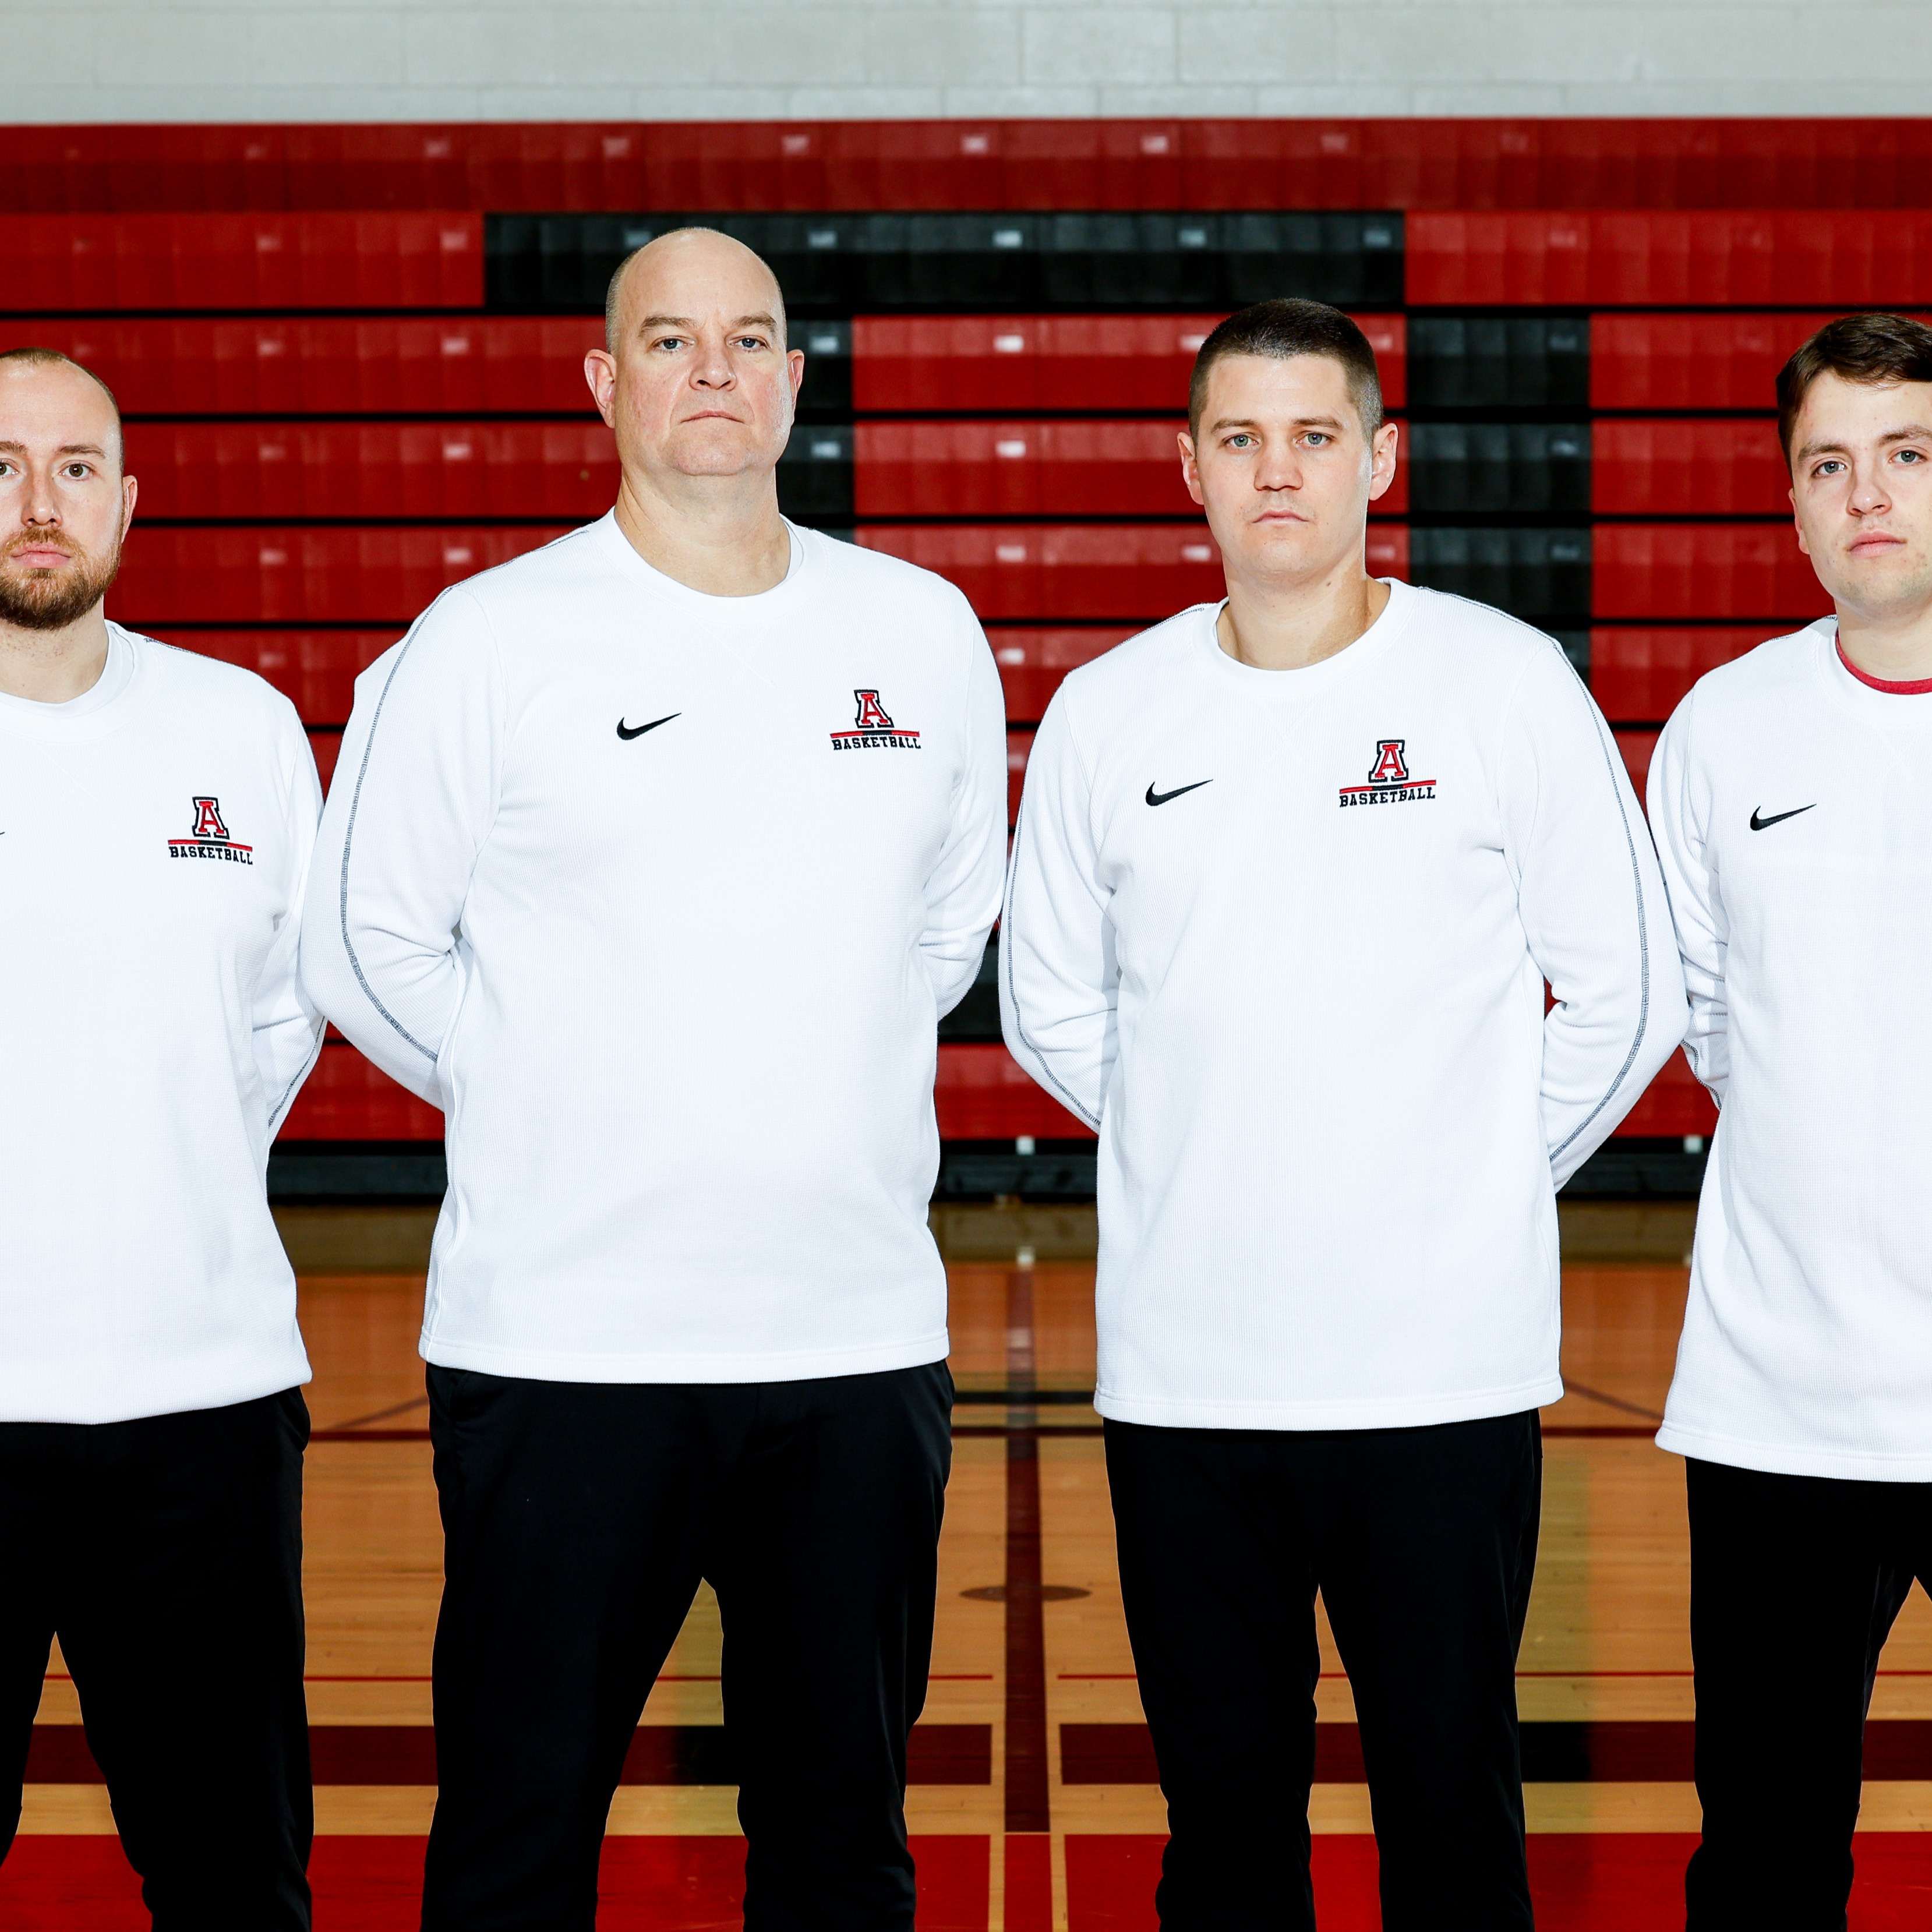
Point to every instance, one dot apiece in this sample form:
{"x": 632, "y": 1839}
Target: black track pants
{"x": 1422, "y": 1542}
{"x": 579, "y": 1519}
{"x": 166, "y": 1554}
{"x": 1795, "y": 1582}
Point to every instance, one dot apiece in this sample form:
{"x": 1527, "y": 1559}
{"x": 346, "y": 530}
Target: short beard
{"x": 51, "y": 600}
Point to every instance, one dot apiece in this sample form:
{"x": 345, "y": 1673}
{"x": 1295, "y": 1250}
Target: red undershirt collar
{"x": 1916, "y": 688}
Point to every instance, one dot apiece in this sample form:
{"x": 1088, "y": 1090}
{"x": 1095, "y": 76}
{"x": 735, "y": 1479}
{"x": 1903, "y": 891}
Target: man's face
{"x": 64, "y": 505}
{"x": 1282, "y": 467}
{"x": 700, "y": 382}
{"x": 1862, "y": 494}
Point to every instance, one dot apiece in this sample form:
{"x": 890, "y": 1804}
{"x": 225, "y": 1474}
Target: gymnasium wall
{"x": 284, "y": 60}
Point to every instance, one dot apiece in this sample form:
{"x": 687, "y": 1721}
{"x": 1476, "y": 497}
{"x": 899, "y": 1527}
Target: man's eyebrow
{"x": 1913, "y": 432}
{"x": 686, "y": 322}
{"x": 65, "y": 449}
{"x": 1299, "y": 422}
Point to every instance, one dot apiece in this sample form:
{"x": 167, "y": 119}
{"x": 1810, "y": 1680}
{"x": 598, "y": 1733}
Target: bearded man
{"x": 157, "y": 810}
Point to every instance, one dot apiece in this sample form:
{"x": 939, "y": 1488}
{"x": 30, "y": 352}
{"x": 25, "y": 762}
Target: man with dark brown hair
{"x": 1789, "y": 800}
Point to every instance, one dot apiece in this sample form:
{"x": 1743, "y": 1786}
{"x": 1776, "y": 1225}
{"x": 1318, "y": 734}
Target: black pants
{"x": 1795, "y": 1582}
{"x": 166, "y": 1554}
{"x": 578, "y": 1520}
{"x": 1422, "y": 1542}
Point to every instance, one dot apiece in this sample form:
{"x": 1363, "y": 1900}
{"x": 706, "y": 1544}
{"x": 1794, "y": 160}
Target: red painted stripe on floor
{"x": 56, "y": 1884}
{"x": 1583, "y": 1882}
{"x": 1026, "y": 1803}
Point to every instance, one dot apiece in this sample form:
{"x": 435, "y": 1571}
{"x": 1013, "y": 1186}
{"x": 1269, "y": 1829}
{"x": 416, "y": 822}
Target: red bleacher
{"x": 564, "y": 471}
{"x": 330, "y": 365}
{"x": 1447, "y": 163}
{"x": 1705, "y": 570}
{"x": 1592, "y": 259}
{"x": 1693, "y": 361}
{"x": 301, "y": 575}
{"x": 1684, "y": 467}
{"x": 241, "y": 261}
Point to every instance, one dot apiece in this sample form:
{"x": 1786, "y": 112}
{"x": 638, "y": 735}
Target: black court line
{"x": 659, "y": 1754}
{"x": 1640, "y": 1752}
{"x": 1612, "y": 1401}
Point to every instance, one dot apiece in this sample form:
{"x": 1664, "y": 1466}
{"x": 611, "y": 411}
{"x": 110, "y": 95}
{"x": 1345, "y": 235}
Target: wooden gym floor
{"x": 1032, "y": 1804}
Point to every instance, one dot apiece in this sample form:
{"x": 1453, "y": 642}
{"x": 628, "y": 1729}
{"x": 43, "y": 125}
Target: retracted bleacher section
{"x": 350, "y": 359}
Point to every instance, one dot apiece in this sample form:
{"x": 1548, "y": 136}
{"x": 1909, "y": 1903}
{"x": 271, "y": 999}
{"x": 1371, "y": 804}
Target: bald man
{"x": 157, "y": 811}
{"x": 653, "y": 860}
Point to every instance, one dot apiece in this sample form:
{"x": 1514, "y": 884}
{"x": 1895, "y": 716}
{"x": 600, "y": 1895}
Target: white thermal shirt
{"x": 1282, "y": 937}
{"x": 660, "y": 896}
{"x": 1793, "y": 807}
{"x": 154, "y": 836}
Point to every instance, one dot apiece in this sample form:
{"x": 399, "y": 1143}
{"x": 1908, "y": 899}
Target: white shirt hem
{"x": 797, "y": 1365}
{"x": 1414, "y": 1412}
{"x": 38, "y": 1397}
{"x": 1779, "y": 1459}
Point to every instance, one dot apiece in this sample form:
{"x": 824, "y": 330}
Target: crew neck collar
{"x": 1309, "y": 680}
{"x": 715, "y": 610}
{"x": 1917, "y": 687}
{"x": 97, "y": 709}
{"x": 1886, "y": 706}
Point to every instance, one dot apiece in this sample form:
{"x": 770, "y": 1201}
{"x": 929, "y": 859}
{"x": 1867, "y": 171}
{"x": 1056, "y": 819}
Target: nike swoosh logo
{"x": 627, "y": 732}
{"x": 1161, "y": 797}
{"x": 1758, "y": 824}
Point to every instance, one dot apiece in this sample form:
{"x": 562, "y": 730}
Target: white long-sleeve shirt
{"x": 1282, "y": 937}
{"x": 660, "y": 896}
{"x": 1793, "y": 807}
{"x": 154, "y": 838}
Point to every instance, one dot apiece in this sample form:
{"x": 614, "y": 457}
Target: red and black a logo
{"x": 210, "y": 839}
{"x": 1389, "y": 766}
{"x": 1389, "y": 780}
{"x": 873, "y": 729}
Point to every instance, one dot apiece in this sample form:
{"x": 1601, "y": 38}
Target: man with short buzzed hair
{"x": 157, "y": 811}
{"x": 655, "y": 858}
{"x": 1291, "y": 872}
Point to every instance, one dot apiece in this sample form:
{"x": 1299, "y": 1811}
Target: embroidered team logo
{"x": 1389, "y": 780}
{"x": 209, "y": 839}
{"x": 873, "y": 729}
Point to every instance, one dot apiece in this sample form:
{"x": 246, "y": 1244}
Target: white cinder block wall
{"x": 345, "y": 60}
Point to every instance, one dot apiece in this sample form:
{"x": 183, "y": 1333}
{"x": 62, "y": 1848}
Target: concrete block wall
{"x": 346, "y": 60}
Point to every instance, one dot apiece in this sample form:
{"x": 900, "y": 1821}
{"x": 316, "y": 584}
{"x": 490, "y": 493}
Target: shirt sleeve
{"x": 1591, "y": 900}
{"x": 415, "y": 794}
{"x": 286, "y": 1027}
{"x": 962, "y": 895}
{"x": 1059, "y": 985}
{"x": 1680, "y": 817}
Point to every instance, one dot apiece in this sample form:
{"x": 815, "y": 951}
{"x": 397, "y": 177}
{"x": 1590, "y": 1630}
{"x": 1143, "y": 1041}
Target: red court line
{"x": 654, "y": 1884}
{"x": 1582, "y": 1881}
